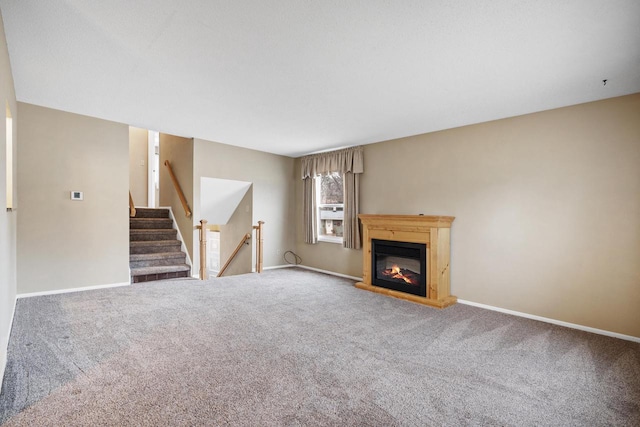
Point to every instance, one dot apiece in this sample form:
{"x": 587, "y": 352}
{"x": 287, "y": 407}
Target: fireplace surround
{"x": 395, "y": 246}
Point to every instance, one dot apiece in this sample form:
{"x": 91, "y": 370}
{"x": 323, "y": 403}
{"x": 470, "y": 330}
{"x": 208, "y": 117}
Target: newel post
{"x": 259, "y": 246}
{"x": 203, "y": 249}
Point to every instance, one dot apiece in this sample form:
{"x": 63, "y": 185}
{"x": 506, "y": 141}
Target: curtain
{"x": 350, "y": 163}
{"x": 352, "y": 238}
{"x": 343, "y": 161}
{"x": 309, "y": 210}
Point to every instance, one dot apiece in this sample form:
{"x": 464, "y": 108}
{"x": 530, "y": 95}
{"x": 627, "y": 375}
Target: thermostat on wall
{"x": 77, "y": 195}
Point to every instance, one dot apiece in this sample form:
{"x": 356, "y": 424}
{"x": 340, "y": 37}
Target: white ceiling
{"x": 293, "y": 77}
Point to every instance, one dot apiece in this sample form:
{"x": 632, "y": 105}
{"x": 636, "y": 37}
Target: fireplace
{"x": 407, "y": 257}
{"x": 401, "y": 266}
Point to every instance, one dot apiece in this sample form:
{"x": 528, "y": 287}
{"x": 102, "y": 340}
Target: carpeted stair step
{"x": 157, "y": 259}
{"x": 152, "y": 213}
{"x": 150, "y": 223}
{"x": 147, "y": 234}
{"x": 154, "y": 249}
{"x": 145, "y": 274}
{"x": 154, "y": 246}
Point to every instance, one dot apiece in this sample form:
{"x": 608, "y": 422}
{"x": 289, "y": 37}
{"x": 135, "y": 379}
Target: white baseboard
{"x": 552, "y": 321}
{"x": 276, "y": 267}
{"x": 65, "y": 291}
{"x": 5, "y": 355}
{"x": 332, "y": 273}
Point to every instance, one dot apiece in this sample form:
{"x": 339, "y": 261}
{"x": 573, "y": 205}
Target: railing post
{"x": 203, "y": 249}
{"x": 259, "y": 242}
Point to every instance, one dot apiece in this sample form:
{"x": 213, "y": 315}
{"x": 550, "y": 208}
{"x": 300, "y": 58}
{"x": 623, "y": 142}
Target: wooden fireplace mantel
{"x": 434, "y": 231}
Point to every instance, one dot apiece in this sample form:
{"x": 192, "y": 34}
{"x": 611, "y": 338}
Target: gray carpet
{"x": 294, "y": 347}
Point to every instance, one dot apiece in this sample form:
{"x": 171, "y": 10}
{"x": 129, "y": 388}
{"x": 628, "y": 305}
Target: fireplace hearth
{"x": 407, "y": 257}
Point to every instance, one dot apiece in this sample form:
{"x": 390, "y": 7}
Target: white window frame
{"x": 319, "y": 206}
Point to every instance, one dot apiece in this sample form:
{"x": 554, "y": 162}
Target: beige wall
{"x": 547, "y": 210}
{"x": 62, "y": 243}
{"x": 273, "y": 190}
{"x": 231, "y": 234}
{"x": 7, "y": 219}
{"x": 179, "y": 152}
{"x": 324, "y": 255}
{"x": 138, "y": 165}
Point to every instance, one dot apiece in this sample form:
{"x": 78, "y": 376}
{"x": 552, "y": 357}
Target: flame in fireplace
{"x": 395, "y": 273}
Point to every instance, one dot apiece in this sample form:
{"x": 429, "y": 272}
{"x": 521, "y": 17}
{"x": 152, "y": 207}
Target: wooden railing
{"x": 132, "y": 208}
{"x": 235, "y": 252}
{"x": 203, "y": 248}
{"x": 176, "y": 184}
{"x": 259, "y": 241}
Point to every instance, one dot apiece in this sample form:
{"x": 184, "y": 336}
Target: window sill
{"x": 330, "y": 239}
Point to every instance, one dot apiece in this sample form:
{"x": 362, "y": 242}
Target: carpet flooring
{"x": 295, "y": 347}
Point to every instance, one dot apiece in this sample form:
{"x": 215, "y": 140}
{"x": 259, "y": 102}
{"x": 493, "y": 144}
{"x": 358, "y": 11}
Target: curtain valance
{"x": 347, "y": 160}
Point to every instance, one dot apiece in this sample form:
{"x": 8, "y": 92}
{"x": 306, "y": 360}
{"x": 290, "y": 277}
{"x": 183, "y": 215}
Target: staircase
{"x": 154, "y": 249}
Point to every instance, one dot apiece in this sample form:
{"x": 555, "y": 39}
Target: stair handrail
{"x": 233, "y": 255}
{"x": 176, "y": 184}
{"x": 132, "y": 208}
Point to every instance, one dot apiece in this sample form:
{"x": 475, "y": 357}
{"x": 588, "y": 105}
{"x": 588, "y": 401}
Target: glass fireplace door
{"x": 400, "y": 266}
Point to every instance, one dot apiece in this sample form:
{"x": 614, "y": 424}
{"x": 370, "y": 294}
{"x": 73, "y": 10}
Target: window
{"x": 330, "y": 190}
{"x": 330, "y": 205}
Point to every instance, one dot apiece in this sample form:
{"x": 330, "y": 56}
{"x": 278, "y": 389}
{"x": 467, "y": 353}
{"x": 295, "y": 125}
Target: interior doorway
{"x": 144, "y": 167}
{"x": 153, "y": 145}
